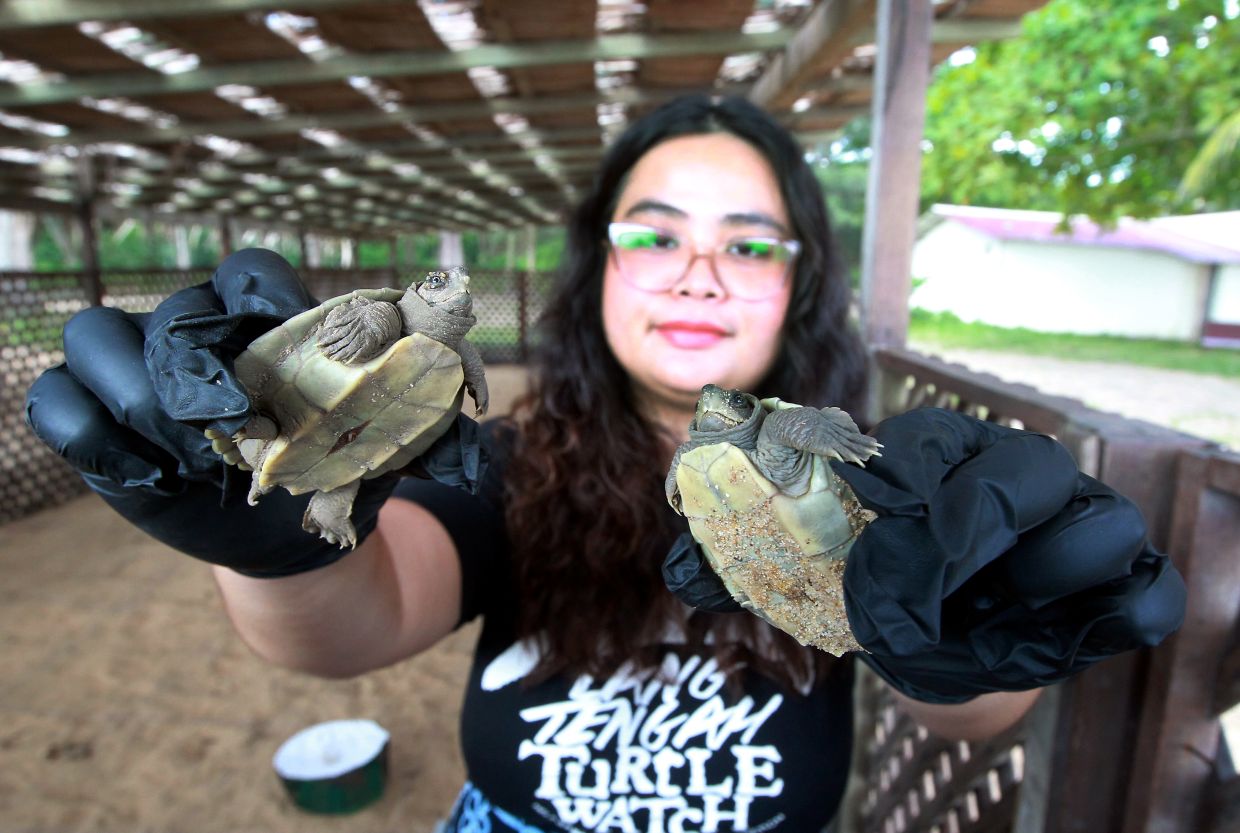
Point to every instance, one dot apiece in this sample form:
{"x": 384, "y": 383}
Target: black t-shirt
{"x": 667, "y": 750}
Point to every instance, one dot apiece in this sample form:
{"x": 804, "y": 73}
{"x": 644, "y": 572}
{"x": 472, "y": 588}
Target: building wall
{"x": 1059, "y": 287}
{"x": 1225, "y": 305}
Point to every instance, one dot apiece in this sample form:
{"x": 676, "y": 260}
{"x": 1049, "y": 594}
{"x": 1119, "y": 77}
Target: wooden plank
{"x": 823, "y": 41}
{"x": 1178, "y": 738}
{"x": 902, "y": 71}
{"x": 1093, "y": 747}
{"x": 1038, "y": 411}
{"x": 248, "y": 128}
{"x": 1029, "y": 814}
{"x": 1224, "y": 811}
{"x": 269, "y": 74}
{"x": 1102, "y": 714}
{"x": 1227, "y": 688}
{"x": 31, "y": 14}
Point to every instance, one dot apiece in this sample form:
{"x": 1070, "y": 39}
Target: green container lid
{"x": 335, "y": 767}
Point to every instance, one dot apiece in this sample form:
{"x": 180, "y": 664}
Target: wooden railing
{"x": 1132, "y": 745}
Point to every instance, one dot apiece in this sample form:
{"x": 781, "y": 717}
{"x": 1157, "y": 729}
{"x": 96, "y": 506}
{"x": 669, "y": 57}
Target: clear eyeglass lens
{"x": 654, "y": 259}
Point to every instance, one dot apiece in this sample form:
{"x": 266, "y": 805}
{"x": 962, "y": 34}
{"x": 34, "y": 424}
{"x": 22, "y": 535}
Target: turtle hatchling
{"x": 356, "y": 387}
{"x": 774, "y": 522}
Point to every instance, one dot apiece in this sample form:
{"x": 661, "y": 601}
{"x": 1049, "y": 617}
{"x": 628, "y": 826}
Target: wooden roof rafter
{"x": 34, "y": 14}
{"x": 816, "y": 74}
{"x": 270, "y": 74}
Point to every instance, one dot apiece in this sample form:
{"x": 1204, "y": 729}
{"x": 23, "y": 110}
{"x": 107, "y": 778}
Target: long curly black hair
{"x": 585, "y": 504}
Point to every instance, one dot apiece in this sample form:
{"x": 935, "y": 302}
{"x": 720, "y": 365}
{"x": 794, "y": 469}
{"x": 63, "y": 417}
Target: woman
{"x": 597, "y": 699}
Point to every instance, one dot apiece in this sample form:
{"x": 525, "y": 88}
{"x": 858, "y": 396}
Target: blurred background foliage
{"x": 1099, "y": 108}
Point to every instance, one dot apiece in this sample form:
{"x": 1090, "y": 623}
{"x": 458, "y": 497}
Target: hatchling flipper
{"x": 829, "y": 432}
{"x": 328, "y": 515}
{"x": 359, "y": 330}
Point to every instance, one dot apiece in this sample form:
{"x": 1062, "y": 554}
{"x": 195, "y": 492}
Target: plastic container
{"x": 335, "y": 767}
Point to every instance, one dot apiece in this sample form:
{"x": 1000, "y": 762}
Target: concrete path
{"x": 1195, "y": 403}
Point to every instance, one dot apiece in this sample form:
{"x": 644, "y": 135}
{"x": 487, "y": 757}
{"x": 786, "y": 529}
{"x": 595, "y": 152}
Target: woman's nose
{"x": 701, "y": 278}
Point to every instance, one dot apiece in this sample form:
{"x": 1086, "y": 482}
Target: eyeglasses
{"x": 752, "y": 268}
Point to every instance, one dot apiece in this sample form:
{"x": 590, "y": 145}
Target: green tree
{"x": 1098, "y": 108}
{"x": 1216, "y": 160}
{"x": 843, "y": 170}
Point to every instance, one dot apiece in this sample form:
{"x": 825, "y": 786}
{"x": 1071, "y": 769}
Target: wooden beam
{"x": 30, "y": 14}
{"x": 841, "y": 112}
{"x": 902, "y": 72}
{"x": 830, "y": 34}
{"x": 823, "y": 41}
{"x": 23, "y": 200}
{"x": 265, "y": 206}
{"x": 350, "y": 120}
{"x": 964, "y": 30}
{"x": 85, "y": 209}
{"x": 1178, "y": 740}
{"x": 270, "y": 74}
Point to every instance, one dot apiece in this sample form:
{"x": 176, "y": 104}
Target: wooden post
{"x": 523, "y": 294}
{"x": 17, "y": 230}
{"x": 85, "y": 211}
{"x": 312, "y": 250}
{"x": 180, "y": 237}
{"x": 1178, "y": 739}
{"x": 226, "y": 237}
{"x": 451, "y": 252}
{"x": 393, "y": 270}
{"x": 902, "y": 72}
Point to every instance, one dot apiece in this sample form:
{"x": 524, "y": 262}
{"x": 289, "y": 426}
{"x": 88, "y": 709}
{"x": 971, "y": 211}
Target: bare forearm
{"x": 982, "y": 717}
{"x": 315, "y": 621}
{"x": 399, "y": 593}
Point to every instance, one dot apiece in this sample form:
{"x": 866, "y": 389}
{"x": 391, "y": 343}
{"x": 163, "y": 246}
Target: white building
{"x": 1172, "y": 277}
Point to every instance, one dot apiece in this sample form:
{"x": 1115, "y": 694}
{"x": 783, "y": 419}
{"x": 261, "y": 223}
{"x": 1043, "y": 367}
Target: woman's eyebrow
{"x": 738, "y": 218}
{"x": 654, "y": 207}
{"x": 755, "y": 218}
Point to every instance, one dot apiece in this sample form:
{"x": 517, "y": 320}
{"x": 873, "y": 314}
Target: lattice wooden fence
{"x": 34, "y": 307}
{"x": 1132, "y": 745}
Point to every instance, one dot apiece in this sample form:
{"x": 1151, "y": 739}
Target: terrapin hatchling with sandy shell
{"x": 356, "y": 387}
{"x": 774, "y": 522}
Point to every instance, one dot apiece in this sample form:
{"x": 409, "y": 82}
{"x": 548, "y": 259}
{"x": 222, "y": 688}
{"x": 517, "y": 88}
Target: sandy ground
{"x": 128, "y": 704}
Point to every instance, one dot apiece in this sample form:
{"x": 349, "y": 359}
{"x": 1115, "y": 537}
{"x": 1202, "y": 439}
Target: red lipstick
{"x": 691, "y": 335}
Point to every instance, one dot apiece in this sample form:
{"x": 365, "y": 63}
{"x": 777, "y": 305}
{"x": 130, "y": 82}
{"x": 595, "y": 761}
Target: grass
{"x": 929, "y": 330}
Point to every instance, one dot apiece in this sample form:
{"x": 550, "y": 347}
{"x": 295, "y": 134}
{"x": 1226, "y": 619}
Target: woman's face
{"x": 708, "y": 189}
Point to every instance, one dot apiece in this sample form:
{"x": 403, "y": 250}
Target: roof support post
{"x": 523, "y": 294}
{"x": 226, "y": 236}
{"x": 17, "y": 229}
{"x": 84, "y": 209}
{"x": 902, "y": 72}
{"x": 451, "y": 252}
{"x": 180, "y": 240}
{"x": 311, "y": 250}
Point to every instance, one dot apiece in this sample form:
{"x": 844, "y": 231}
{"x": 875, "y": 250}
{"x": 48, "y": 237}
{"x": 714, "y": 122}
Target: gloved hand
{"x": 128, "y": 407}
{"x": 994, "y": 564}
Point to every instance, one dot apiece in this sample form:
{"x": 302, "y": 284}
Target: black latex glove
{"x": 128, "y": 407}
{"x": 994, "y": 564}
